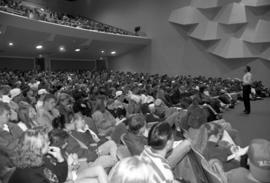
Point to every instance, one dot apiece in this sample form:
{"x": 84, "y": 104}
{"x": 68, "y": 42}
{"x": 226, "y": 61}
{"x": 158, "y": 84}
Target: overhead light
{"x": 41, "y": 9}
{"x": 78, "y": 50}
{"x": 39, "y": 47}
{"x": 113, "y": 52}
{"x": 10, "y": 44}
{"x": 102, "y": 51}
{"x": 62, "y": 49}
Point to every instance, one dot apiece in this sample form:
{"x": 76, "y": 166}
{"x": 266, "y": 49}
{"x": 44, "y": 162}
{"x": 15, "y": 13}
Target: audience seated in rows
{"x": 85, "y": 118}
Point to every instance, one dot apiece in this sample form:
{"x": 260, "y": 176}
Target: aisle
{"x": 254, "y": 125}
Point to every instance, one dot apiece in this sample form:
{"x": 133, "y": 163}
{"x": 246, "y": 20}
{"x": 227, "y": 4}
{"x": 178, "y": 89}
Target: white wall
{"x": 171, "y": 51}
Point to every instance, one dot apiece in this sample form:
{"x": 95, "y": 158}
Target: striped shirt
{"x": 162, "y": 171}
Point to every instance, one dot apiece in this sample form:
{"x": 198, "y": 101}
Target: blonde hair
{"x": 29, "y": 150}
{"x": 131, "y": 170}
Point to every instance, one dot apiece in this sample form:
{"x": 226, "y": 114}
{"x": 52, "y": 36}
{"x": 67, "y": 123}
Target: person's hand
{"x": 73, "y": 161}
{"x": 56, "y": 152}
{"x": 55, "y": 112}
{"x": 234, "y": 149}
{"x": 224, "y": 144}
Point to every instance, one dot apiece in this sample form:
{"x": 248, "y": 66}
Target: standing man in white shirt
{"x": 247, "y": 81}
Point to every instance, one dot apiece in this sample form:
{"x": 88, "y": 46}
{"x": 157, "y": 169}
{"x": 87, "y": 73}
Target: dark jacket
{"x": 49, "y": 172}
{"x": 135, "y": 143}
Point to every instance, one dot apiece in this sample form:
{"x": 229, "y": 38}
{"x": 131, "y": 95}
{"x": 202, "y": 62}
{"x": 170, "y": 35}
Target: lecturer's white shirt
{"x": 247, "y": 79}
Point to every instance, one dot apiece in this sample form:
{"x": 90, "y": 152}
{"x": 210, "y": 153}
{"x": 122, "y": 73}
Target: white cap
{"x": 118, "y": 93}
{"x": 15, "y": 92}
{"x": 42, "y": 91}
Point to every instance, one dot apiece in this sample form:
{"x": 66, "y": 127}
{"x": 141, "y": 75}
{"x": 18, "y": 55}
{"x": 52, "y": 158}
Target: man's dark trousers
{"x": 246, "y": 99}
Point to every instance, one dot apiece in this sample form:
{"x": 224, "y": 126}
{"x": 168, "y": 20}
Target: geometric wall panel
{"x": 258, "y": 34}
{"x": 233, "y": 48}
{"x": 238, "y": 31}
{"x": 256, "y": 3}
{"x": 185, "y": 16}
{"x": 234, "y": 13}
{"x": 210, "y": 3}
{"x": 266, "y": 54}
{"x": 206, "y": 31}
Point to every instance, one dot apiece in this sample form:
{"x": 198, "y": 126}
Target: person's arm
{"x": 60, "y": 168}
{"x": 95, "y": 172}
{"x": 179, "y": 152}
{"x": 74, "y": 147}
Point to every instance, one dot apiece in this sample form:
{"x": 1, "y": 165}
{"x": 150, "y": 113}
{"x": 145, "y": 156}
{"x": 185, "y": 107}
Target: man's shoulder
{"x": 239, "y": 175}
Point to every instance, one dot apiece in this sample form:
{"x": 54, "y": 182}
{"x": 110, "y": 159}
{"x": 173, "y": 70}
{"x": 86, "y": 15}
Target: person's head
{"x": 23, "y": 112}
{"x": 13, "y": 117}
{"x": 131, "y": 170}
{"x": 58, "y": 138}
{"x": 248, "y": 68}
{"x": 82, "y": 107}
{"x": 215, "y": 132}
{"x": 49, "y": 102}
{"x": 160, "y": 137}
{"x": 259, "y": 159}
{"x": 100, "y": 104}
{"x": 79, "y": 121}
{"x": 137, "y": 124}
{"x": 66, "y": 101}
{"x": 32, "y": 146}
{"x": 59, "y": 122}
{"x": 4, "y": 113}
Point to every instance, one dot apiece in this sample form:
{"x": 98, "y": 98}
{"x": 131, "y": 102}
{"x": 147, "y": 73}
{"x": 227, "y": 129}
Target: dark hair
{"x": 48, "y": 97}
{"x": 59, "y": 122}
{"x": 159, "y": 135}
{"x": 248, "y": 68}
{"x": 57, "y": 137}
{"x": 136, "y": 122}
{"x": 82, "y": 107}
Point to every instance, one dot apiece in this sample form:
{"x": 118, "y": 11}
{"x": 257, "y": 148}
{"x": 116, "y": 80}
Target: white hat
{"x": 5, "y": 99}
{"x": 42, "y": 91}
{"x": 118, "y": 93}
{"x": 15, "y": 92}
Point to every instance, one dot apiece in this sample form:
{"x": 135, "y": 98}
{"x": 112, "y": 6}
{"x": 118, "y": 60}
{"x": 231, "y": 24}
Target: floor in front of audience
{"x": 254, "y": 125}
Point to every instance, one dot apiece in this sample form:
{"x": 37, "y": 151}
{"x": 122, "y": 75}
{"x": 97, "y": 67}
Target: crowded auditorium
{"x": 134, "y": 91}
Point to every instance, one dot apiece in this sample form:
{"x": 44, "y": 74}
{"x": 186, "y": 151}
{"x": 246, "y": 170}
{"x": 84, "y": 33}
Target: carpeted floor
{"x": 254, "y": 125}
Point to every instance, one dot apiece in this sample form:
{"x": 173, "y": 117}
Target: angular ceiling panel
{"x": 258, "y": 34}
{"x": 238, "y": 28}
{"x": 234, "y": 13}
{"x": 185, "y": 16}
{"x": 232, "y": 48}
{"x": 206, "y": 31}
{"x": 256, "y": 3}
{"x": 210, "y": 3}
{"x": 266, "y": 54}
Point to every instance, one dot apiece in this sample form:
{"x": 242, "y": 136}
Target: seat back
{"x": 122, "y": 150}
{"x": 211, "y": 176}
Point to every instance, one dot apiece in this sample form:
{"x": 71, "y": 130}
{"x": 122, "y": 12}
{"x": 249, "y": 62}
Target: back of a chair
{"x": 211, "y": 176}
{"x": 122, "y": 150}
